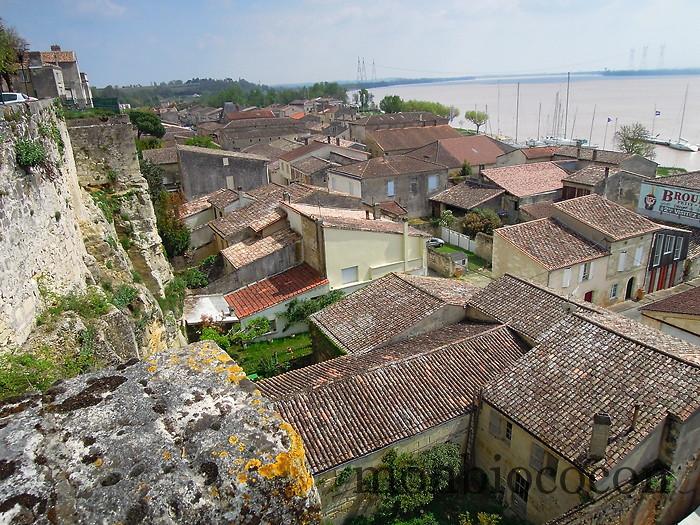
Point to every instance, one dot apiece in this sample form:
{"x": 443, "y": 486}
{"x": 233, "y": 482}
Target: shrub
{"x": 202, "y": 142}
{"x": 208, "y": 262}
{"x": 298, "y": 311}
{"x": 125, "y": 242}
{"x": 194, "y": 278}
{"x": 29, "y": 153}
{"x": 89, "y": 305}
{"x": 136, "y": 276}
{"x": 112, "y": 176}
{"x": 481, "y": 221}
{"x": 212, "y": 333}
{"x": 124, "y": 296}
{"x": 174, "y": 297}
{"x": 173, "y": 232}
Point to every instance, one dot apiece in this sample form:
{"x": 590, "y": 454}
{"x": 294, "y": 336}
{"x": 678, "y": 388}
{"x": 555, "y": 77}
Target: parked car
{"x": 435, "y": 242}
{"x": 15, "y": 98}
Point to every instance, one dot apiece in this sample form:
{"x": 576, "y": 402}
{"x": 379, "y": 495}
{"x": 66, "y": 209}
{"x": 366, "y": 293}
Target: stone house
{"x": 465, "y": 197}
{"x": 526, "y": 156}
{"x": 198, "y": 213}
{"x": 75, "y": 86}
{"x": 41, "y": 81}
{"x": 677, "y": 314}
{"x": 478, "y": 151}
{"x": 399, "y": 141}
{"x": 314, "y": 172}
{"x": 270, "y": 296}
{"x": 360, "y": 128}
{"x": 409, "y": 181}
{"x": 167, "y": 159}
{"x": 524, "y": 184}
{"x": 204, "y": 170}
{"x": 614, "y": 159}
{"x": 351, "y": 248}
{"x": 239, "y": 134}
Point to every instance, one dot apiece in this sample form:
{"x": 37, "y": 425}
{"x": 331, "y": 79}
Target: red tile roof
{"x": 550, "y": 243}
{"x": 274, "y": 290}
{"x": 687, "y": 303}
{"x": 291, "y": 156}
{"x": 406, "y": 139}
{"x": 527, "y": 179}
{"x": 453, "y": 152}
{"x": 467, "y": 195}
{"x": 248, "y": 251}
{"x": 389, "y": 166}
{"x": 542, "y": 152}
{"x": 298, "y": 116}
{"x": 609, "y": 218}
{"x": 253, "y": 113}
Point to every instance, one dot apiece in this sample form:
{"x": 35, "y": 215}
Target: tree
{"x": 481, "y": 220}
{"x": 446, "y": 219}
{"x": 466, "y": 170}
{"x": 478, "y": 118}
{"x": 391, "y": 104}
{"x": 633, "y": 139}
{"x": 364, "y": 99}
{"x": 12, "y": 46}
{"x": 202, "y": 142}
{"x": 146, "y": 122}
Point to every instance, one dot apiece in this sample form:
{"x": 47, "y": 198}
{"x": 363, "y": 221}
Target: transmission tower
{"x": 359, "y": 70}
{"x": 364, "y": 71}
{"x": 374, "y": 72}
{"x": 662, "y": 52}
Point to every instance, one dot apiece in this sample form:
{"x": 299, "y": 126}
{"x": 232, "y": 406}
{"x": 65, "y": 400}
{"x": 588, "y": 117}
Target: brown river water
{"x": 623, "y": 100}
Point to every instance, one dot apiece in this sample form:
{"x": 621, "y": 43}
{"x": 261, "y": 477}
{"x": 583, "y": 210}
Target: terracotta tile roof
{"x": 274, "y": 150}
{"x": 370, "y": 225}
{"x": 385, "y": 309}
{"x": 274, "y": 290}
{"x": 604, "y": 156}
{"x": 276, "y": 191}
{"x": 219, "y": 198}
{"x": 220, "y": 152}
{"x": 210, "y": 126}
{"x": 580, "y": 369}
{"x": 453, "y": 152}
{"x": 222, "y": 198}
{"x": 406, "y": 139}
{"x": 294, "y": 154}
{"x": 527, "y": 179}
{"x": 467, "y": 195}
{"x": 400, "y": 118}
{"x": 590, "y": 175}
{"x": 246, "y": 252}
{"x": 298, "y": 116}
{"x": 161, "y": 155}
{"x": 538, "y": 210}
{"x": 51, "y": 57}
{"x": 255, "y": 216}
{"x": 550, "y": 243}
{"x": 253, "y": 113}
{"x": 390, "y": 166}
{"x": 687, "y": 303}
{"x": 607, "y": 217}
{"x": 392, "y": 208}
{"x": 354, "y": 405}
{"x": 540, "y": 152}
{"x": 311, "y": 165}
{"x": 528, "y": 308}
{"x": 685, "y": 180}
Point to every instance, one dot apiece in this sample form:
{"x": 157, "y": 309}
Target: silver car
{"x": 15, "y": 98}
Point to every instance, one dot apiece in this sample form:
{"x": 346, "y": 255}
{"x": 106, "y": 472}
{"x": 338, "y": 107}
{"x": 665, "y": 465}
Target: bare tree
{"x": 634, "y": 139}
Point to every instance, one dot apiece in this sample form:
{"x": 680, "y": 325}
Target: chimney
{"x": 635, "y": 417}
{"x": 286, "y": 197}
{"x": 607, "y": 171}
{"x": 367, "y": 214}
{"x": 329, "y": 139}
{"x": 306, "y": 141}
{"x": 578, "y": 152}
{"x": 337, "y": 141}
{"x": 376, "y": 212}
{"x": 594, "y": 155}
{"x": 55, "y": 47}
{"x": 599, "y": 436}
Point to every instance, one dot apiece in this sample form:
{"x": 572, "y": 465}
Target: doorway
{"x": 630, "y": 288}
{"x": 588, "y": 297}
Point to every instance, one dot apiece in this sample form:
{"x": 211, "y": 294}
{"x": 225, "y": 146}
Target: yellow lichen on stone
{"x": 242, "y": 477}
{"x": 167, "y": 455}
{"x": 253, "y": 464}
{"x": 98, "y": 462}
{"x": 235, "y": 373}
{"x": 291, "y": 465}
{"x": 152, "y": 369}
{"x": 233, "y": 440}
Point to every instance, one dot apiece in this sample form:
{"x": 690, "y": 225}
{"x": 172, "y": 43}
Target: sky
{"x": 122, "y": 42}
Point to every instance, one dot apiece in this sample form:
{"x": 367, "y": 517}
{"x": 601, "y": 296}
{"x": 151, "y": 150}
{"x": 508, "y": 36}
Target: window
{"x": 566, "y": 278}
{"x": 521, "y": 487}
{"x": 414, "y": 186}
{"x": 613, "y": 291}
{"x": 543, "y": 461}
{"x": 349, "y": 275}
{"x": 432, "y": 182}
{"x": 585, "y": 272}
{"x": 390, "y": 188}
{"x": 658, "y": 249}
{"x": 638, "y": 253}
{"x": 9, "y": 97}
{"x": 669, "y": 244}
{"x": 679, "y": 246}
{"x": 509, "y": 430}
{"x": 621, "y": 261}
{"x": 225, "y": 161}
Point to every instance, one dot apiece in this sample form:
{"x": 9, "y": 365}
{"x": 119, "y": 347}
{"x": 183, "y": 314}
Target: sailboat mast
{"x": 590, "y": 136}
{"x": 539, "y": 116}
{"x": 685, "y": 100}
{"x": 653, "y": 121}
{"x": 566, "y": 114}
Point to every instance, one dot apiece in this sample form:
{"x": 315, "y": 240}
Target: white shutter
{"x": 536, "y": 457}
{"x": 638, "y": 255}
{"x": 581, "y": 270}
{"x": 566, "y": 278}
{"x": 621, "y": 261}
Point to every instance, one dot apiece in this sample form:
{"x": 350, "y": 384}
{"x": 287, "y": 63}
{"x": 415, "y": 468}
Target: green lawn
{"x": 665, "y": 171}
{"x": 253, "y": 354}
{"x": 474, "y": 262}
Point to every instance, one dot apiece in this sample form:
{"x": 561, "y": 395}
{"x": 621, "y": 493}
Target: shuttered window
{"x": 622, "y": 261}
{"x": 566, "y": 278}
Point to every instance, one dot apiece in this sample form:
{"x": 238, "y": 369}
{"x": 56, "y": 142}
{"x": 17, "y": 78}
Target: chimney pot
{"x": 599, "y": 436}
{"x": 55, "y": 47}
{"x": 607, "y": 171}
{"x": 337, "y": 141}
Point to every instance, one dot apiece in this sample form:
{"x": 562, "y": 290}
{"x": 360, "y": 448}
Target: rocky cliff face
{"x": 182, "y": 437}
{"x": 81, "y": 261}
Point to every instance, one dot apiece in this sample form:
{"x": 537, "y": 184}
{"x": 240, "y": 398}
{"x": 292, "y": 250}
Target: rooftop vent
{"x": 599, "y": 436}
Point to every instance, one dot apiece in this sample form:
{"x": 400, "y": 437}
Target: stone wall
{"x": 40, "y": 240}
{"x": 180, "y": 438}
{"x": 484, "y": 246}
{"x": 440, "y": 263}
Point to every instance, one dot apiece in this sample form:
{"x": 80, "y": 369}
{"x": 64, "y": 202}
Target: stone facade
{"x": 182, "y": 437}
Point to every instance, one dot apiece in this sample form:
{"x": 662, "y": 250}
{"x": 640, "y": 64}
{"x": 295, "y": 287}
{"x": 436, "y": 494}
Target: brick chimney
{"x": 329, "y": 139}
{"x": 594, "y": 155}
{"x": 337, "y": 141}
{"x": 55, "y": 47}
{"x": 376, "y": 212}
{"x": 599, "y": 436}
{"x": 607, "y": 171}
{"x": 578, "y": 152}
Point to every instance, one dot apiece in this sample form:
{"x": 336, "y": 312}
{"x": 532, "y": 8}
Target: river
{"x": 622, "y": 100}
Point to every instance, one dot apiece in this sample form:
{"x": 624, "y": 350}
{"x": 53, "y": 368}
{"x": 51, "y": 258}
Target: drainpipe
{"x": 405, "y": 245}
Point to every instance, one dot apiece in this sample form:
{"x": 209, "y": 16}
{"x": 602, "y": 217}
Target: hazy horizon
{"x": 122, "y": 42}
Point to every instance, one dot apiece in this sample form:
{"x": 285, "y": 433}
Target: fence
{"x": 458, "y": 239}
